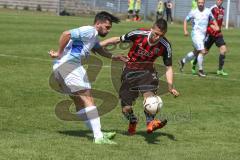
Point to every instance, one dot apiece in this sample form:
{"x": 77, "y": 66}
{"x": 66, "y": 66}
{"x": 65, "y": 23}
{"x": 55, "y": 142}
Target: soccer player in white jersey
{"x": 200, "y": 18}
{"x": 75, "y": 45}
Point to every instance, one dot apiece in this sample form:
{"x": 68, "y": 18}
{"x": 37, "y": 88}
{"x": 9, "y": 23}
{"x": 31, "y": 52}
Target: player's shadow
{"x": 150, "y": 138}
{"x": 78, "y": 133}
{"x": 153, "y": 137}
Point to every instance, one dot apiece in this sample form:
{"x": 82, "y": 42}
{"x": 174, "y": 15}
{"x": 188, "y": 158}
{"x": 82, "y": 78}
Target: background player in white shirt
{"x": 200, "y": 18}
{"x": 74, "y": 45}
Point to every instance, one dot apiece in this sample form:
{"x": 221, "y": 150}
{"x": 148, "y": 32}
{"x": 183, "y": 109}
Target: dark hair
{"x": 104, "y": 16}
{"x": 161, "y": 24}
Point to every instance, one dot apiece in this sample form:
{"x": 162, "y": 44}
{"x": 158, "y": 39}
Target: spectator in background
{"x": 169, "y": 7}
{"x": 160, "y": 10}
{"x": 194, "y": 4}
{"x": 130, "y": 9}
{"x": 137, "y": 10}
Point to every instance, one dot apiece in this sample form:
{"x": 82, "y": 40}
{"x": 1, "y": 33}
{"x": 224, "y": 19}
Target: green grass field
{"x": 203, "y": 122}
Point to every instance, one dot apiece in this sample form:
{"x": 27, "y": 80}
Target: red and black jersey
{"x": 143, "y": 54}
{"x": 218, "y": 13}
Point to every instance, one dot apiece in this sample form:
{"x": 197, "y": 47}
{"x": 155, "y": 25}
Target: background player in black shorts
{"x": 216, "y": 37}
{"x": 139, "y": 75}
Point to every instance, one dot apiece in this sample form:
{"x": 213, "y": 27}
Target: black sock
{"x": 149, "y": 117}
{"x": 195, "y": 61}
{"x": 221, "y": 61}
{"x": 130, "y": 116}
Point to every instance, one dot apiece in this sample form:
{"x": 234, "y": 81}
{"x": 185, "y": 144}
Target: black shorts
{"x": 159, "y": 13}
{"x": 137, "y": 11}
{"x": 135, "y": 82}
{"x": 130, "y": 11}
{"x": 209, "y": 40}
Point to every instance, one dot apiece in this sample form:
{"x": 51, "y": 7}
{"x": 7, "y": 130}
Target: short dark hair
{"x": 161, "y": 24}
{"x": 103, "y": 16}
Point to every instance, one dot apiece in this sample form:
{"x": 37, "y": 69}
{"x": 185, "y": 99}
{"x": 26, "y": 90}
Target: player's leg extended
{"x": 149, "y": 117}
{"x": 194, "y": 63}
{"x": 128, "y": 94}
{"x": 198, "y": 43}
{"x": 200, "y": 59}
{"x": 222, "y": 54}
{"x": 130, "y": 116}
{"x": 90, "y": 116}
{"x": 189, "y": 56}
{"x": 152, "y": 123}
{"x": 127, "y": 97}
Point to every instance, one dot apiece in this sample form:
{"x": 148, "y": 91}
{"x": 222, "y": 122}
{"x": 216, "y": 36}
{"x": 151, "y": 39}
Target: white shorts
{"x": 198, "y": 42}
{"x": 72, "y": 77}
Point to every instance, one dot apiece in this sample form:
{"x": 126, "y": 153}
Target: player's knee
{"x": 223, "y": 50}
{"x": 126, "y": 109}
{"x": 206, "y": 52}
{"x": 203, "y": 52}
{"x": 86, "y": 99}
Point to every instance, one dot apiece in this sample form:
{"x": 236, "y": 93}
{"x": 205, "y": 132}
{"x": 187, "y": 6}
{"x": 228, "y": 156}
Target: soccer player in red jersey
{"x": 216, "y": 36}
{"x": 139, "y": 74}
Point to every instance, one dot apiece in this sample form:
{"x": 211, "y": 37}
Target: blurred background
{"x": 147, "y": 11}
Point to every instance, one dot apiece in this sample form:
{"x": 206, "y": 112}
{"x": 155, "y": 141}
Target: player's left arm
{"x": 169, "y": 77}
{"x": 110, "y": 41}
{"x": 130, "y": 36}
{"x": 105, "y": 53}
{"x": 167, "y": 60}
{"x": 213, "y": 23}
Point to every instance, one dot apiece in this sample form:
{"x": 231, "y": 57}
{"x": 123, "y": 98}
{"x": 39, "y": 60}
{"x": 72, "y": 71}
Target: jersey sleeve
{"x": 75, "y": 34}
{"x": 83, "y": 34}
{"x": 189, "y": 16}
{"x": 97, "y": 44}
{"x": 167, "y": 54}
{"x": 211, "y": 17}
{"x": 130, "y": 36}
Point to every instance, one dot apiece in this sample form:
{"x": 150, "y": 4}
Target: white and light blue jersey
{"x": 199, "y": 21}
{"x": 82, "y": 40}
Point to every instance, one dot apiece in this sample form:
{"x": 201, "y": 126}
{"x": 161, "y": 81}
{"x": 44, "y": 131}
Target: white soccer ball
{"x": 153, "y": 104}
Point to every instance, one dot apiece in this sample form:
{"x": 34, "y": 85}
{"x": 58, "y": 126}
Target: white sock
{"x": 200, "y": 61}
{"x": 190, "y": 56}
{"x": 82, "y": 115}
{"x": 92, "y": 120}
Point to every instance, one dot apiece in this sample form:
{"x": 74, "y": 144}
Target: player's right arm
{"x": 188, "y": 18}
{"x": 167, "y": 60}
{"x": 63, "y": 41}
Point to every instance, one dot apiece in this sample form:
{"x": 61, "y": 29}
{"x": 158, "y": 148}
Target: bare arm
{"x": 169, "y": 77}
{"x": 63, "y": 41}
{"x": 215, "y": 26}
{"x": 107, "y": 54}
{"x": 185, "y": 28}
{"x": 113, "y": 40}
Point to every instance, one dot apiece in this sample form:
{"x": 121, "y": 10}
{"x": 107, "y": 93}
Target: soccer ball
{"x": 153, "y": 104}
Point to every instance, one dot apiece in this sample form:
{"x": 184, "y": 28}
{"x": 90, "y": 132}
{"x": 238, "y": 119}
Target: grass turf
{"x": 203, "y": 122}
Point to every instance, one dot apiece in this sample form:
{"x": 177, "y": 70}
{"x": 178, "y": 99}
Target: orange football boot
{"x": 155, "y": 124}
{"x": 132, "y": 128}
